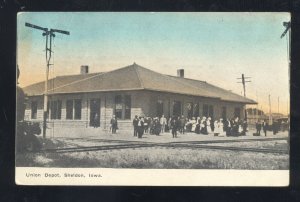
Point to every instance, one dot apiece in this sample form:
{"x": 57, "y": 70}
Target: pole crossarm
{"x": 287, "y": 26}
{"x": 46, "y": 30}
{"x": 60, "y": 31}
{"x": 36, "y": 27}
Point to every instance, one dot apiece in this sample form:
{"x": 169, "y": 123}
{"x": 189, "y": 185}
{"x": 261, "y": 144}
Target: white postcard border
{"x": 150, "y": 177}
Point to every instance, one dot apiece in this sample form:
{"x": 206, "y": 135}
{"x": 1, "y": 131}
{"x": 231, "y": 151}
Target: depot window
{"x": 176, "y": 108}
{"x": 208, "y": 111}
{"x": 237, "y": 112}
{"x": 189, "y": 109}
{"x": 123, "y": 106}
{"x": 159, "y": 108}
{"x": 224, "y": 113}
{"x": 33, "y": 109}
{"x": 55, "y": 109}
{"x": 73, "y": 109}
{"x": 196, "y": 110}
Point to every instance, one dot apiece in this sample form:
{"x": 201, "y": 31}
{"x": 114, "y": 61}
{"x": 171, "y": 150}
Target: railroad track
{"x": 230, "y": 148}
{"x": 190, "y": 142}
{"x": 232, "y": 140}
{"x": 189, "y": 145}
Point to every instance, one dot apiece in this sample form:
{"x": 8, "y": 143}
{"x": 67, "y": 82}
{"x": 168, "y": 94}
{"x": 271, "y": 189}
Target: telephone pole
{"x": 278, "y": 105}
{"x": 256, "y": 111}
{"x": 270, "y": 111}
{"x": 49, "y": 33}
{"x": 287, "y": 26}
{"x": 244, "y": 81}
{"x": 287, "y": 107}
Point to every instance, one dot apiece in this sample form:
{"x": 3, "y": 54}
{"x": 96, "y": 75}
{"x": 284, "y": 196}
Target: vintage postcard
{"x": 147, "y": 98}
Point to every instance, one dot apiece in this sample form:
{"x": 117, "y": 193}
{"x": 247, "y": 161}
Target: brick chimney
{"x": 180, "y": 73}
{"x": 84, "y": 69}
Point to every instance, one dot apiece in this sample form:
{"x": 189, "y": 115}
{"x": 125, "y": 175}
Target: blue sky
{"x": 216, "y": 47}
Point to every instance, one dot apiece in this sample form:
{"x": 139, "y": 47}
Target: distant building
{"x": 87, "y": 99}
{"x": 254, "y": 115}
{"x": 279, "y": 117}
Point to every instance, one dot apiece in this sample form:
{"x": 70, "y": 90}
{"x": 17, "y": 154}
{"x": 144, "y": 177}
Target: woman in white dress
{"x": 221, "y": 128}
{"x": 194, "y": 122}
{"x": 208, "y": 127}
{"x": 216, "y": 128}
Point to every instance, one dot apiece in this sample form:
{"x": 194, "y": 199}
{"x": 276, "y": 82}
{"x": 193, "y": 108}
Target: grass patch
{"x": 158, "y": 158}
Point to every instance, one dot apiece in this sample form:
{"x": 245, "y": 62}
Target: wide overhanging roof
{"x": 133, "y": 77}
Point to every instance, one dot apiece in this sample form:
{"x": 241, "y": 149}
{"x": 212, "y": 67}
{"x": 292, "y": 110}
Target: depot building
{"x": 89, "y": 100}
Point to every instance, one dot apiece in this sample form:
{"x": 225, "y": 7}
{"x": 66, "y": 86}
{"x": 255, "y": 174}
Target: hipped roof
{"x": 133, "y": 77}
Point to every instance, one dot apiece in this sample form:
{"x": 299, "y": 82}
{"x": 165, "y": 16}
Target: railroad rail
{"x": 196, "y": 145}
{"x": 187, "y": 141}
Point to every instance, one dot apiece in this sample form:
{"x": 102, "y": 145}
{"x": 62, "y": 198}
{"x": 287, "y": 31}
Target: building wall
{"x": 107, "y": 104}
{"x": 168, "y": 99}
{"x": 143, "y": 103}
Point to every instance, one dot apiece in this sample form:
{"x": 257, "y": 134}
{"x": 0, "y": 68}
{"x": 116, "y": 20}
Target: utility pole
{"x": 244, "y": 81}
{"x": 270, "y": 111}
{"x": 278, "y": 105}
{"x": 256, "y": 111}
{"x": 49, "y": 33}
{"x": 287, "y": 26}
{"x": 287, "y": 107}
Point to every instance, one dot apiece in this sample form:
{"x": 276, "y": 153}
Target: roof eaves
{"x": 244, "y": 102}
{"x": 93, "y": 91}
{"x": 176, "y": 92}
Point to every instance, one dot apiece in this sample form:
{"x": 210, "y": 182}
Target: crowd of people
{"x": 205, "y": 126}
{"x": 200, "y": 125}
{"x": 275, "y": 127}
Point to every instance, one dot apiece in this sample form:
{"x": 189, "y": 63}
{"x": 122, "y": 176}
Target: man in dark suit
{"x": 140, "y": 127}
{"x": 174, "y": 126}
{"x": 265, "y": 127}
{"x": 258, "y": 127}
{"x": 135, "y": 124}
{"x": 114, "y": 124}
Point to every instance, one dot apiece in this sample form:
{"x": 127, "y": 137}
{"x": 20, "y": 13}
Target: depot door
{"x": 95, "y": 112}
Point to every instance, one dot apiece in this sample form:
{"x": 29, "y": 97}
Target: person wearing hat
{"x": 114, "y": 124}
{"x": 135, "y": 123}
{"x": 174, "y": 126}
{"x": 203, "y": 126}
{"x": 265, "y": 127}
{"x": 244, "y": 126}
{"x": 140, "y": 127}
{"x": 156, "y": 126}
